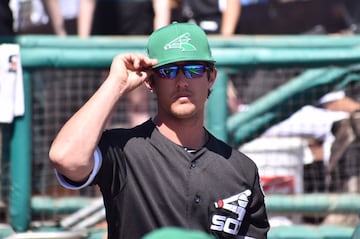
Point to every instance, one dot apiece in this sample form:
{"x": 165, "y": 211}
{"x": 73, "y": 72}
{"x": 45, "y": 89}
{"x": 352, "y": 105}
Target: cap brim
{"x": 170, "y": 61}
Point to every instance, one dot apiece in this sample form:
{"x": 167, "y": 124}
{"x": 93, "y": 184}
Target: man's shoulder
{"x": 124, "y": 134}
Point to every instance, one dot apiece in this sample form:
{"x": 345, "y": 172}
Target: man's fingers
{"x": 143, "y": 61}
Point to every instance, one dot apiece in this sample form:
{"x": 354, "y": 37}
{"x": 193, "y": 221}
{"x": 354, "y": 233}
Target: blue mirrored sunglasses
{"x": 190, "y": 70}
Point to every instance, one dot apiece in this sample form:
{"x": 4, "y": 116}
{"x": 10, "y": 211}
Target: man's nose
{"x": 181, "y": 79}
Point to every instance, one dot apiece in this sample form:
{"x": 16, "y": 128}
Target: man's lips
{"x": 182, "y": 95}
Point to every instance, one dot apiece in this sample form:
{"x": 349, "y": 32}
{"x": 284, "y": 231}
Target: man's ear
{"x": 149, "y": 83}
{"x": 212, "y": 77}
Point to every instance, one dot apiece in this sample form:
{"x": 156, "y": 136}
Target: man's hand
{"x": 131, "y": 70}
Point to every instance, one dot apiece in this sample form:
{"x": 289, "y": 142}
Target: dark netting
{"x": 56, "y": 95}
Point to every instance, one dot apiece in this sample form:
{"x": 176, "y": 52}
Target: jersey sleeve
{"x": 257, "y": 215}
{"x": 70, "y": 185}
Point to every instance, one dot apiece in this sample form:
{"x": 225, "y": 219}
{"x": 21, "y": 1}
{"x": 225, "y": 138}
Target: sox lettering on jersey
{"x": 235, "y": 204}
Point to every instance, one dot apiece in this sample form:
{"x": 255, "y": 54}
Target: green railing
{"x": 232, "y": 54}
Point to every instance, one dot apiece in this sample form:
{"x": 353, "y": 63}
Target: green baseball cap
{"x": 179, "y": 42}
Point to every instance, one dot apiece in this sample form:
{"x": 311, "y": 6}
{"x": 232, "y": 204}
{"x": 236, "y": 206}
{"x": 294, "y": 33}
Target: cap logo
{"x": 182, "y": 42}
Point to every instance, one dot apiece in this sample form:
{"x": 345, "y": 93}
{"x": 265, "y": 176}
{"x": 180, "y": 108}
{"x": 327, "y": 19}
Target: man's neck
{"x": 187, "y": 133}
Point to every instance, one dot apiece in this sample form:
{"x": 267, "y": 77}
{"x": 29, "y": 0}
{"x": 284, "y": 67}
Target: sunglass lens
{"x": 194, "y": 71}
{"x": 168, "y": 72}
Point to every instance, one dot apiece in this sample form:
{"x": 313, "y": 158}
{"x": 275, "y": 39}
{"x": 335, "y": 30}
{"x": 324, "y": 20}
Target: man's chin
{"x": 184, "y": 111}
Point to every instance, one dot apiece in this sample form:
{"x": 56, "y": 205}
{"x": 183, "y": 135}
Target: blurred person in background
{"x": 267, "y": 17}
{"x": 213, "y": 16}
{"x": 63, "y": 16}
{"x": 46, "y": 16}
{"x": 312, "y": 122}
{"x": 176, "y": 14}
{"x": 6, "y": 19}
{"x": 125, "y": 18}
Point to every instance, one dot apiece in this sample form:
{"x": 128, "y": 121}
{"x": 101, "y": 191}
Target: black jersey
{"x": 149, "y": 182}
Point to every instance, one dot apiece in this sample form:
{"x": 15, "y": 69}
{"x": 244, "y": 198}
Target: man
{"x": 168, "y": 171}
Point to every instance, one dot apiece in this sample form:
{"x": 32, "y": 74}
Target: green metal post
{"x": 20, "y": 157}
{"x": 216, "y": 109}
{"x": 356, "y": 234}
